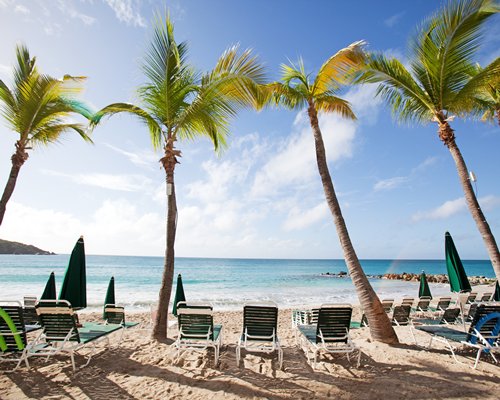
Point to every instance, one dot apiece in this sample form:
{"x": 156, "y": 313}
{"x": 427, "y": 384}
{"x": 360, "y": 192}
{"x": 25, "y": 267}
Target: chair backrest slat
{"x": 58, "y": 320}
{"x": 450, "y": 315}
{"x": 114, "y": 314}
{"x": 334, "y": 322}
{"x": 260, "y": 320}
{"x": 423, "y": 303}
{"x": 443, "y": 303}
{"x": 487, "y": 328}
{"x": 401, "y": 314}
{"x": 195, "y": 322}
{"x": 15, "y": 314}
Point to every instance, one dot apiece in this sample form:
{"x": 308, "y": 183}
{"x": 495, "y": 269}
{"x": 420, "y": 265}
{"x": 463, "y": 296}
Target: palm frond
{"x": 339, "y": 68}
{"x": 445, "y": 45}
{"x": 52, "y": 132}
{"x": 409, "y": 102}
{"x": 333, "y": 104}
{"x": 116, "y": 108}
{"x": 293, "y": 98}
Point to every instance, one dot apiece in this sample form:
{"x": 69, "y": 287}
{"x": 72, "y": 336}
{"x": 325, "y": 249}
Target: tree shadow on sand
{"x": 112, "y": 374}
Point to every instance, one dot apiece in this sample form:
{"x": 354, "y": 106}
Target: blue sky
{"x": 397, "y": 184}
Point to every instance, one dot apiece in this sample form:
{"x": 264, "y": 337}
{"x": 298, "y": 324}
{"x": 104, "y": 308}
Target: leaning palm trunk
{"x": 448, "y": 137}
{"x": 18, "y": 159}
{"x": 380, "y": 326}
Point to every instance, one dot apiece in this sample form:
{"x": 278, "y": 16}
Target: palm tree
{"x": 490, "y": 100}
{"x": 298, "y": 90}
{"x": 37, "y": 108}
{"x": 178, "y": 104}
{"x": 442, "y": 81}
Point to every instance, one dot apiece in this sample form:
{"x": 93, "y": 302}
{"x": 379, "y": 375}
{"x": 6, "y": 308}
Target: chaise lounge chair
{"x": 260, "y": 331}
{"x": 13, "y": 342}
{"x": 197, "y": 330}
{"x": 61, "y": 335}
{"x": 330, "y": 334}
{"x": 483, "y": 334}
{"x": 401, "y": 315}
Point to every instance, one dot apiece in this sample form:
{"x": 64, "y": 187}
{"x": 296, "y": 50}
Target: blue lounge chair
{"x": 483, "y": 334}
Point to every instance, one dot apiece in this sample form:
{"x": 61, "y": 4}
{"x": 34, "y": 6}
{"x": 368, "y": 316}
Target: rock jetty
{"x": 410, "y": 277}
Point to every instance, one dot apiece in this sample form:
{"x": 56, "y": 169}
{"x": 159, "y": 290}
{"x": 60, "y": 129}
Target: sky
{"x": 262, "y": 197}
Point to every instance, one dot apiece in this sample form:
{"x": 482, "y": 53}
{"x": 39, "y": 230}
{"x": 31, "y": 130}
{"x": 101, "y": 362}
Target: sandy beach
{"x": 143, "y": 369}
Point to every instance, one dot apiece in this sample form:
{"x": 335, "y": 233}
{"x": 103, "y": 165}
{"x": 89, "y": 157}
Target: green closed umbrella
{"x": 49, "y": 293}
{"x": 74, "y": 287}
{"x": 496, "y": 295}
{"x": 179, "y": 294}
{"x": 456, "y": 273}
{"x": 423, "y": 290}
{"x": 110, "y": 293}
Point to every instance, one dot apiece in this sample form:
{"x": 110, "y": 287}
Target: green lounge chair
{"x": 61, "y": 335}
{"x": 485, "y": 297}
{"x": 471, "y": 298}
{"x": 114, "y": 314}
{"x": 197, "y": 330}
{"x": 483, "y": 334}
{"x": 387, "y": 304}
{"x": 260, "y": 331}
{"x": 407, "y": 301}
{"x": 401, "y": 315}
{"x": 449, "y": 317}
{"x": 13, "y": 343}
{"x": 29, "y": 312}
{"x": 423, "y": 305}
{"x": 330, "y": 334}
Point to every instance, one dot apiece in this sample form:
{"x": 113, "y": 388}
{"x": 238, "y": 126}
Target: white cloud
{"x": 456, "y": 206}
{"x": 428, "y": 162}
{"x": 390, "y": 183}
{"x": 126, "y": 183}
{"x": 5, "y": 3}
{"x": 116, "y": 227}
{"x": 298, "y": 219}
{"x": 67, "y": 7}
{"x": 52, "y": 29}
{"x": 127, "y": 11}
{"x": 145, "y": 158}
{"x": 21, "y": 9}
{"x": 295, "y": 161}
{"x": 393, "y": 19}
{"x": 447, "y": 209}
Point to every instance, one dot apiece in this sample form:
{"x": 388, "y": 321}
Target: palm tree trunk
{"x": 380, "y": 326}
{"x": 18, "y": 159}
{"x": 470, "y": 198}
{"x": 160, "y": 326}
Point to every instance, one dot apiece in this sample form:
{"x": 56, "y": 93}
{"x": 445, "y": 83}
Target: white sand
{"x": 143, "y": 369}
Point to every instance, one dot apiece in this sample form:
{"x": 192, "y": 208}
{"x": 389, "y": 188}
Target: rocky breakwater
{"x": 410, "y": 277}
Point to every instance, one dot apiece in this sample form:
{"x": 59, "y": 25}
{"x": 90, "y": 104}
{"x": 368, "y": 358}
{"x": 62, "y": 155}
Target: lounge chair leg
{"x": 238, "y": 355}
{"x": 477, "y": 357}
{"x": 359, "y": 358}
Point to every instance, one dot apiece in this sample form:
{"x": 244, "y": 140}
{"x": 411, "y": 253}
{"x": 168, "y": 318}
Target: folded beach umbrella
{"x": 179, "y": 294}
{"x": 496, "y": 295}
{"x": 49, "y": 292}
{"x": 456, "y": 273}
{"x": 74, "y": 287}
{"x": 110, "y": 293}
{"x": 423, "y": 290}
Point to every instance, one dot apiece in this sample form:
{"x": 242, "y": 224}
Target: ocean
{"x": 226, "y": 283}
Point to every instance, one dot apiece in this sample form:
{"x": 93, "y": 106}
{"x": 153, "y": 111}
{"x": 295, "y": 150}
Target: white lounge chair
{"x": 260, "y": 326}
{"x": 330, "y": 334}
{"x": 61, "y": 335}
{"x": 197, "y": 330}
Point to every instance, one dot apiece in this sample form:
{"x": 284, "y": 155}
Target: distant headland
{"x": 7, "y": 247}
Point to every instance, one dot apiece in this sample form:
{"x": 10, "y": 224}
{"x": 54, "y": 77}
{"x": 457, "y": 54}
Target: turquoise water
{"x": 227, "y": 283}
